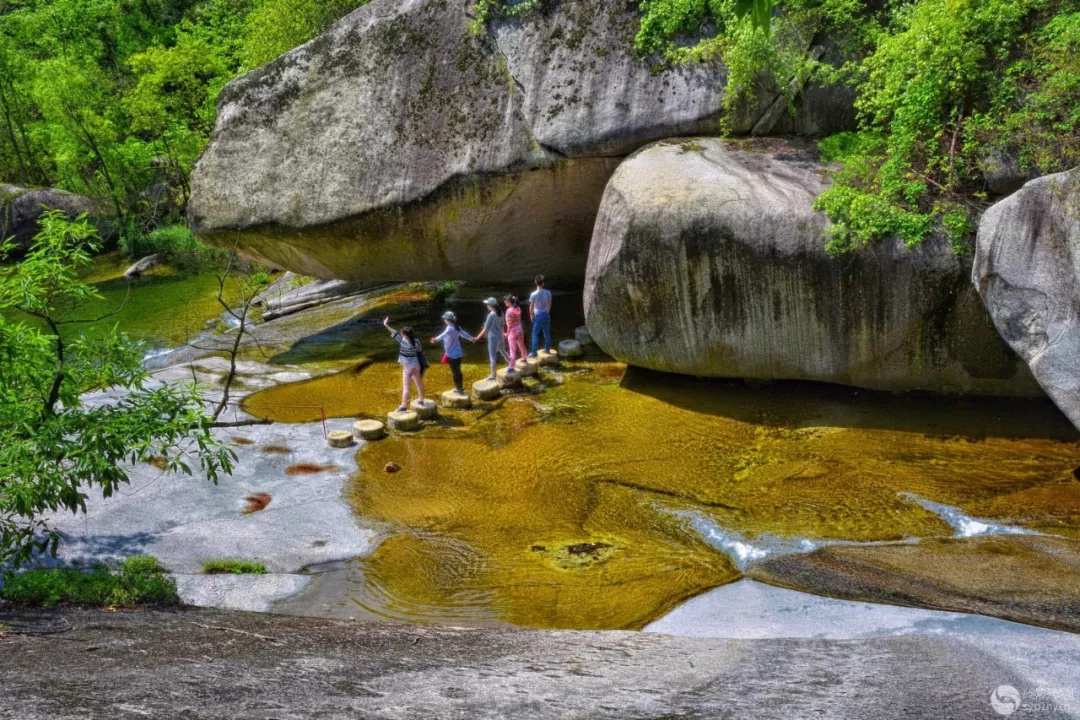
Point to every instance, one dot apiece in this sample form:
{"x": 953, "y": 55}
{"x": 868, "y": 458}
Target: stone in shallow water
{"x": 570, "y": 349}
{"x": 1025, "y": 578}
{"x": 426, "y": 410}
{"x": 486, "y": 390}
{"x": 369, "y": 430}
{"x": 583, "y": 336}
{"x": 339, "y": 439}
{"x": 548, "y": 359}
{"x": 508, "y": 379}
{"x": 527, "y": 367}
{"x": 403, "y": 420}
{"x": 456, "y": 401}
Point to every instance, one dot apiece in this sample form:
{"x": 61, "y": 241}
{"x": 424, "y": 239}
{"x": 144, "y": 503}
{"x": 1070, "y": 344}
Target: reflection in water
{"x": 604, "y": 498}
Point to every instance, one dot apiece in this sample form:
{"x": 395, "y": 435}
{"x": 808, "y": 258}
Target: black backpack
{"x": 421, "y": 358}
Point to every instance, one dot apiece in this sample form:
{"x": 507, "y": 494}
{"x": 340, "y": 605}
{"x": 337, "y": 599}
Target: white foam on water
{"x": 746, "y": 551}
{"x": 965, "y": 526}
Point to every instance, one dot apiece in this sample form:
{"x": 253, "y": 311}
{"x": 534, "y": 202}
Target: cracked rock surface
{"x": 1027, "y": 270}
{"x": 400, "y": 144}
{"x": 217, "y": 664}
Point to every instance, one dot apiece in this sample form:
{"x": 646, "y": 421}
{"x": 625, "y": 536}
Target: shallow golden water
{"x": 566, "y": 508}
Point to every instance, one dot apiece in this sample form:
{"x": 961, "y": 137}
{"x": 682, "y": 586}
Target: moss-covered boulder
{"x": 1027, "y": 270}
{"x": 400, "y": 145}
{"x": 709, "y": 259}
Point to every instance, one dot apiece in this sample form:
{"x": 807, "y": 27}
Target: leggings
{"x": 516, "y": 339}
{"x": 411, "y": 373}
{"x": 493, "y": 352}
{"x": 455, "y": 370}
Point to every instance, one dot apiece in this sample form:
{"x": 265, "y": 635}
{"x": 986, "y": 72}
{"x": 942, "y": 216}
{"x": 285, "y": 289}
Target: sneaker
{"x": 459, "y": 391}
{"x": 401, "y": 409}
{"x": 490, "y": 377}
{"x": 532, "y": 356}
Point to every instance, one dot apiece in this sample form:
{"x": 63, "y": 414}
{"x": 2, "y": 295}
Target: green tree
{"x": 54, "y": 447}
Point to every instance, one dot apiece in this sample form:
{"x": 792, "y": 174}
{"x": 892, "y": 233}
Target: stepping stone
{"x": 583, "y": 336}
{"x": 548, "y": 359}
{"x": 339, "y": 439}
{"x": 426, "y": 410}
{"x": 570, "y": 349}
{"x": 508, "y": 379}
{"x": 456, "y": 401}
{"x": 527, "y": 367}
{"x": 487, "y": 390}
{"x": 368, "y": 430}
{"x": 404, "y": 420}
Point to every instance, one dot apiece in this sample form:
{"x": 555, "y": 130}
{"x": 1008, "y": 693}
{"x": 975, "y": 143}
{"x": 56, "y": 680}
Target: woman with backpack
{"x": 412, "y": 360}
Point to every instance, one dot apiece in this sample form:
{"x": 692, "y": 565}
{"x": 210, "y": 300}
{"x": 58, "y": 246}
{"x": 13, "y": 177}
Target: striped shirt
{"x": 407, "y": 355}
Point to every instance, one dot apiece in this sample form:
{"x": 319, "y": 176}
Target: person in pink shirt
{"x": 515, "y": 331}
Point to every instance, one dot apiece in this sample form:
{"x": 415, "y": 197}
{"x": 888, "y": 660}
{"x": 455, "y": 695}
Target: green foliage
{"x": 140, "y": 580}
{"x": 108, "y": 97}
{"x": 758, "y": 52}
{"x": 53, "y": 446}
{"x": 947, "y": 81}
{"x": 175, "y": 241}
{"x": 227, "y": 566}
{"x": 444, "y": 291}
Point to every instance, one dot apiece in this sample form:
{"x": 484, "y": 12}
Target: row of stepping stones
{"x": 484, "y": 390}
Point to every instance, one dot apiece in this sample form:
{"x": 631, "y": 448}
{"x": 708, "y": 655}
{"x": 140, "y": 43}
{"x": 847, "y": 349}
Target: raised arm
{"x": 386, "y": 324}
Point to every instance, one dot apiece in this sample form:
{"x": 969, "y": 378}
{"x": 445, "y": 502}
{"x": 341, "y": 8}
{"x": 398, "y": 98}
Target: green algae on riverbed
{"x": 562, "y": 509}
{"x": 164, "y": 307}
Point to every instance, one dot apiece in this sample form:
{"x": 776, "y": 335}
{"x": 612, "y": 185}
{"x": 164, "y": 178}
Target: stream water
{"x": 602, "y": 497}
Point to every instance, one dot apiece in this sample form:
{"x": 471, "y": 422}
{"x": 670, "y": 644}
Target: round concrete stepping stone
{"x": 548, "y": 359}
{"x": 368, "y": 430}
{"x": 426, "y": 410}
{"x": 339, "y": 439}
{"x": 583, "y": 336}
{"x": 570, "y": 349}
{"x": 487, "y": 390}
{"x": 456, "y": 401}
{"x": 508, "y": 379}
{"x": 527, "y": 367}
{"x": 403, "y": 420}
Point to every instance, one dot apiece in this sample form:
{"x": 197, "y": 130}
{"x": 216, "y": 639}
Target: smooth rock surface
{"x": 340, "y": 439}
{"x": 1025, "y": 578}
{"x": 548, "y": 359}
{"x": 285, "y": 299}
{"x": 426, "y": 410}
{"x": 508, "y": 379}
{"x": 583, "y": 336}
{"x": 1027, "y": 271}
{"x": 456, "y": 401}
{"x": 486, "y": 390}
{"x": 527, "y": 367}
{"x": 290, "y": 667}
{"x": 751, "y": 610}
{"x": 186, "y": 520}
{"x": 20, "y": 208}
{"x": 146, "y": 264}
{"x": 708, "y": 259}
{"x": 400, "y": 145}
{"x": 570, "y": 349}
{"x": 369, "y": 430}
{"x": 403, "y": 420}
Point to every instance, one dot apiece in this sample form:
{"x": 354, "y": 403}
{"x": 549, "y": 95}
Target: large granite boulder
{"x": 399, "y": 145}
{"x": 20, "y": 208}
{"x": 708, "y": 259}
{"x": 1027, "y": 270}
